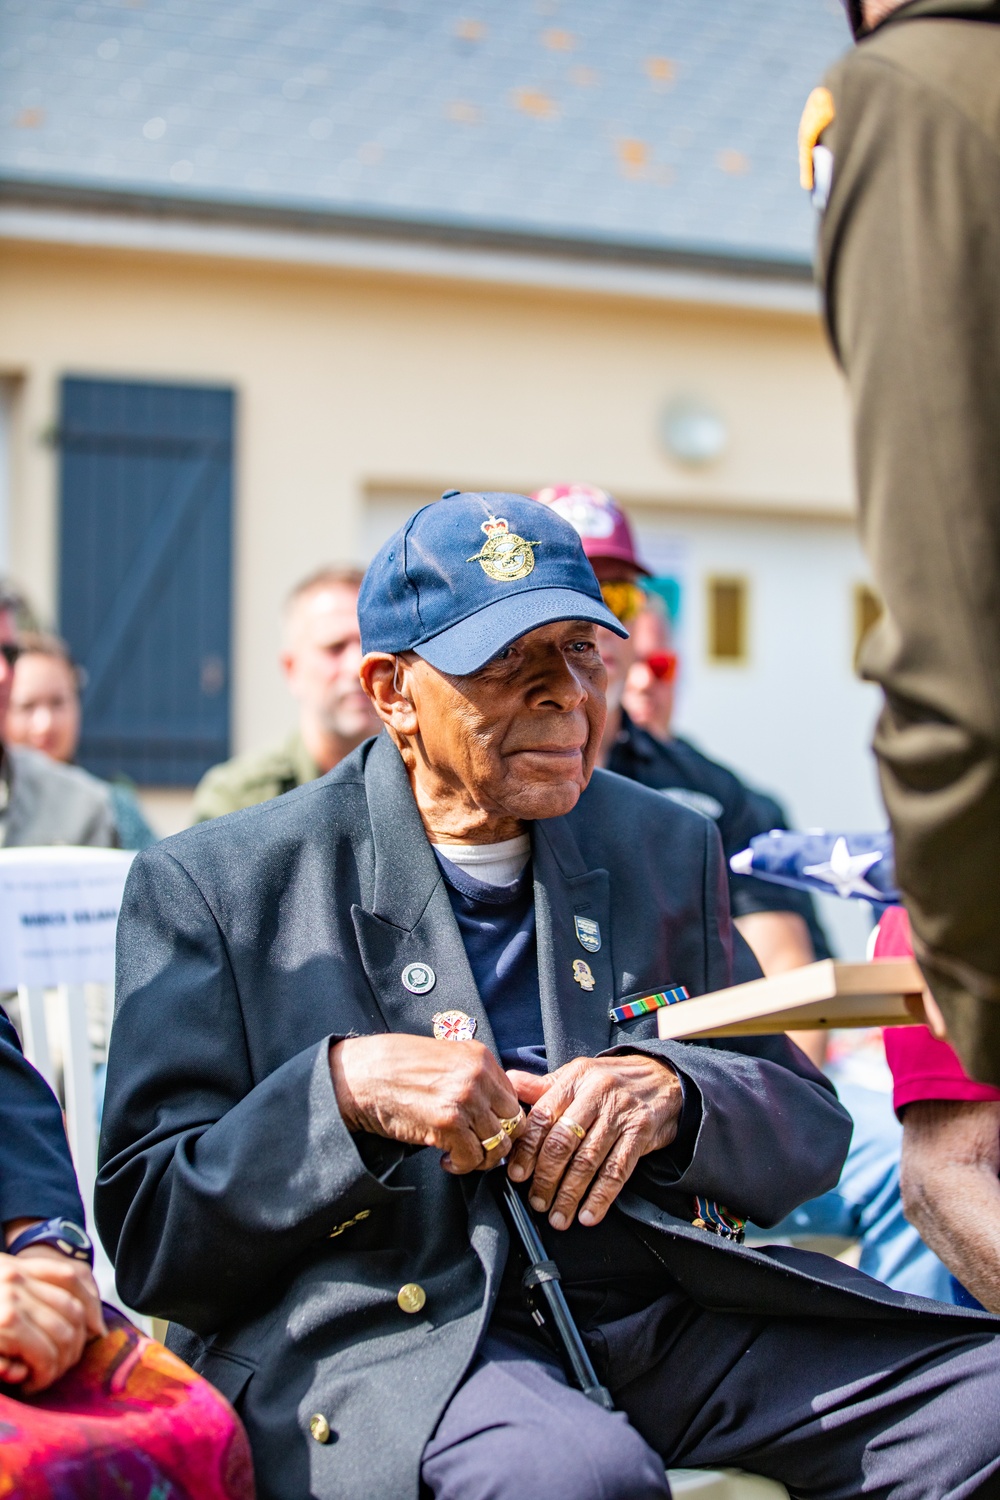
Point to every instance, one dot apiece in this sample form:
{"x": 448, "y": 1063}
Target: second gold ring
{"x": 577, "y": 1130}
{"x": 491, "y": 1142}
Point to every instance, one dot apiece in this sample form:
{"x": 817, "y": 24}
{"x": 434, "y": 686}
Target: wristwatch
{"x": 62, "y": 1234}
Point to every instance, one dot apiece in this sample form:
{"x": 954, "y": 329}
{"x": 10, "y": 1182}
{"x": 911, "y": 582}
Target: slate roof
{"x": 664, "y": 124}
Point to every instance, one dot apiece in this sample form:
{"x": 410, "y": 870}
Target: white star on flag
{"x": 846, "y": 871}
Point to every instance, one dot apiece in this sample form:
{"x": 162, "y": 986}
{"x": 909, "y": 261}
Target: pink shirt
{"x": 922, "y": 1067}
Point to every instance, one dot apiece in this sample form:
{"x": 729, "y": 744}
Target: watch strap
{"x": 62, "y": 1234}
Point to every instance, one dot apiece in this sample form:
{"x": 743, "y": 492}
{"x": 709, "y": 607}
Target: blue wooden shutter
{"x": 145, "y": 562}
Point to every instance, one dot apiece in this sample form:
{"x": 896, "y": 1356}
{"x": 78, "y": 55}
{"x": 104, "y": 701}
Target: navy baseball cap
{"x": 471, "y": 573}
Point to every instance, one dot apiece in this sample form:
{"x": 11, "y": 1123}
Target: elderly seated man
{"x": 341, "y": 1013}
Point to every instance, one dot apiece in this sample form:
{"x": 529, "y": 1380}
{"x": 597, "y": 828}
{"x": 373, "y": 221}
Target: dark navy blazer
{"x": 233, "y": 1199}
{"x": 37, "y": 1180}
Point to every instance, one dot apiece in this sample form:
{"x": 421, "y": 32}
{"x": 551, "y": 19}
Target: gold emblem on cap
{"x": 582, "y": 974}
{"x": 505, "y": 556}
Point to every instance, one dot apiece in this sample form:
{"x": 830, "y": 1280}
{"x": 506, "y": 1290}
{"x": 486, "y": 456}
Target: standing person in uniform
{"x": 779, "y": 924}
{"x": 901, "y": 149}
{"x": 320, "y": 659}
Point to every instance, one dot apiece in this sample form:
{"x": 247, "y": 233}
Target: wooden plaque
{"x": 825, "y": 994}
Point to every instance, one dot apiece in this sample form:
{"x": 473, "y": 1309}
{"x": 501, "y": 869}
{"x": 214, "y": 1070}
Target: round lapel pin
{"x": 418, "y": 978}
{"x": 453, "y": 1026}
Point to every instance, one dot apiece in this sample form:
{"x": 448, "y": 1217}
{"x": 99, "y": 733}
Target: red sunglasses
{"x": 662, "y": 664}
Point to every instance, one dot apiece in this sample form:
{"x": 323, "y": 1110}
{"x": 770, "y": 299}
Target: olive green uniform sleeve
{"x": 249, "y": 779}
{"x": 910, "y": 263}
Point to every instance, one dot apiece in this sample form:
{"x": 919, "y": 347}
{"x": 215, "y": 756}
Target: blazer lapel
{"x": 575, "y": 1019}
{"x": 408, "y": 919}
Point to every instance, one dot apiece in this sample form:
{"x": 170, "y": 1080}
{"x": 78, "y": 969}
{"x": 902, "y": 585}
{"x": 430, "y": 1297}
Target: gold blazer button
{"x": 319, "y": 1427}
{"x": 411, "y": 1297}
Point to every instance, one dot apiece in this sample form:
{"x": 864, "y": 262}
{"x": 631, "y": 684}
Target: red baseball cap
{"x": 603, "y": 528}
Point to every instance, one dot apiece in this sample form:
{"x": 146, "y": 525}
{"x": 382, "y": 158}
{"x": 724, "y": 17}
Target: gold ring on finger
{"x": 509, "y": 1126}
{"x": 577, "y": 1130}
{"x": 492, "y": 1141}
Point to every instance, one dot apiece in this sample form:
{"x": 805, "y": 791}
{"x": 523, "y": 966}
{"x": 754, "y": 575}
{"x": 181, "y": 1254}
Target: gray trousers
{"x": 831, "y": 1409}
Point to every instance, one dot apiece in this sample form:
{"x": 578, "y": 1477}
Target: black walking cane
{"x": 543, "y": 1275}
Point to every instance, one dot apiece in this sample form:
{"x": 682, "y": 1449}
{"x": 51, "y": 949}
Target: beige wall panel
{"x": 346, "y": 383}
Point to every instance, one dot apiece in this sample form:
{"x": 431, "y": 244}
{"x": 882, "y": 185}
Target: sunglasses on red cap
{"x": 625, "y": 600}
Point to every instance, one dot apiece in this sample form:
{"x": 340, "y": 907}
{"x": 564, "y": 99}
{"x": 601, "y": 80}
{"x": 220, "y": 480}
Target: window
{"x": 146, "y": 480}
{"x": 727, "y": 619}
{"x": 868, "y": 609}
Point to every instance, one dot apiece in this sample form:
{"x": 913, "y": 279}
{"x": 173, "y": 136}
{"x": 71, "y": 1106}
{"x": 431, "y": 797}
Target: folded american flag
{"x": 854, "y": 865}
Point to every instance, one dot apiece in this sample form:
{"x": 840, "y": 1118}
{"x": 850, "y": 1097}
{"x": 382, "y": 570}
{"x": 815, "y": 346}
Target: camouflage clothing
{"x": 257, "y": 777}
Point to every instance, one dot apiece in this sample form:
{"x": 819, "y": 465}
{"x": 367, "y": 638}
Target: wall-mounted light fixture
{"x": 692, "y": 432}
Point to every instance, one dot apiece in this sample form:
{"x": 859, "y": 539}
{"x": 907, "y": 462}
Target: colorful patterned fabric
{"x": 130, "y": 1422}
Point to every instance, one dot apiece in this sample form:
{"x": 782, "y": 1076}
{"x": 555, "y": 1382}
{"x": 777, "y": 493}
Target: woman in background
{"x": 44, "y": 714}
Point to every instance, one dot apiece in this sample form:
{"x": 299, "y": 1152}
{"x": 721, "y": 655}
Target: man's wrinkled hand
{"x": 452, "y": 1095}
{"x": 49, "y": 1308}
{"x": 621, "y": 1107}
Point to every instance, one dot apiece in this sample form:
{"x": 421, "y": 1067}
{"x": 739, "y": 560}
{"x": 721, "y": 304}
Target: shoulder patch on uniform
{"x": 819, "y": 112}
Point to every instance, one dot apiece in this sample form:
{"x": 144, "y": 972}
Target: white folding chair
{"x": 53, "y": 965}
{"x": 57, "y": 1038}
{"x": 723, "y": 1484}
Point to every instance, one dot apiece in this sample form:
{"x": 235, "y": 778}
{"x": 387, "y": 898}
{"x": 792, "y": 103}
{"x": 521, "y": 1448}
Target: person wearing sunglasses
{"x": 780, "y": 925}
{"x": 648, "y": 698}
{"x": 42, "y": 802}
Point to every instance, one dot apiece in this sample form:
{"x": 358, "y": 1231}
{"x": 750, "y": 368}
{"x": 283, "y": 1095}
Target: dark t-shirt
{"x": 608, "y": 1271}
{"x": 497, "y": 923}
{"x": 677, "y": 769}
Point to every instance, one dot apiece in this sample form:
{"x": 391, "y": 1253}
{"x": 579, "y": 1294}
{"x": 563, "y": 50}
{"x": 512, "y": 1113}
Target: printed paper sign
{"x": 58, "y": 915}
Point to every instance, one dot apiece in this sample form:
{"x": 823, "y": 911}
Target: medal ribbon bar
{"x": 648, "y": 1003}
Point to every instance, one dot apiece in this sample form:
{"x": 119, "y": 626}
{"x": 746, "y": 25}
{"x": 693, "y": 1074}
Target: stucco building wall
{"x": 360, "y": 396}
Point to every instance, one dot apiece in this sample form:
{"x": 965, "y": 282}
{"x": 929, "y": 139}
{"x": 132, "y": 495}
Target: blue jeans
{"x": 866, "y": 1204}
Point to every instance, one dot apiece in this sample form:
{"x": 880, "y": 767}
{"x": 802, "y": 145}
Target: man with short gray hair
{"x": 341, "y": 1013}
{"x": 320, "y": 656}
